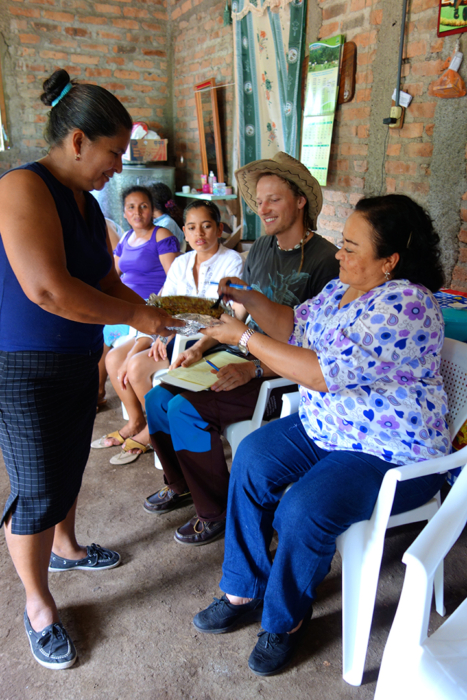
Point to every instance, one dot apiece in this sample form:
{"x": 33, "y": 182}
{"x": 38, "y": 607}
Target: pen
{"x": 213, "y": 365}
{"x": 236, "y": 286}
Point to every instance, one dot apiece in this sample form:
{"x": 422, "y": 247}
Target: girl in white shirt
{"x": 190, "y": 274}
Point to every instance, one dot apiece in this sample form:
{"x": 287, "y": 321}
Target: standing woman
{"x": 58, "y": 286}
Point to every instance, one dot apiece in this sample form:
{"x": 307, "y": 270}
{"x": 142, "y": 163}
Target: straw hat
{"x": 286, "y": 167}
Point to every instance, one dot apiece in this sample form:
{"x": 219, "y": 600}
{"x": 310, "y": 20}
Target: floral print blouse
{"x": 380, "y": 356}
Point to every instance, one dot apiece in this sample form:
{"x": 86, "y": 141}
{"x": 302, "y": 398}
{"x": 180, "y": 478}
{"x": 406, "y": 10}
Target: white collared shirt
{"x": 180, "y": 280}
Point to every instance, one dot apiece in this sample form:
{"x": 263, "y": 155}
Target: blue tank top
{"x": 23, "y": 324}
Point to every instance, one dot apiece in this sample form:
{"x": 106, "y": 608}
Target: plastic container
{"x": 219, "y": 188}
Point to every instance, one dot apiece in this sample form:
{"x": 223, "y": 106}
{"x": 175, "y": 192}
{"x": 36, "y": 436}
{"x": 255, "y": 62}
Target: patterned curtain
{"x": 269, "y": 45}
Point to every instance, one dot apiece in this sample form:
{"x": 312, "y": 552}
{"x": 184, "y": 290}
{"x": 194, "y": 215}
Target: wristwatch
{"x": 243, "y": 342}
{"x": 259, "y": 371}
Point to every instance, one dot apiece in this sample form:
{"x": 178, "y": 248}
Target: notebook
{"x": 198, "y": 376}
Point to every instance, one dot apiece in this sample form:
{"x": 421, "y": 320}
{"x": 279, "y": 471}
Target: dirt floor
{"x": 132, "y": 625}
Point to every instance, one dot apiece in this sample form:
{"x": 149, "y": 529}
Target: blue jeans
{"x": 336, "y": 489}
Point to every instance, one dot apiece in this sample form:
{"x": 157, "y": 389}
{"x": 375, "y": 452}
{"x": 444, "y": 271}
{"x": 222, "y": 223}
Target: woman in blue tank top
{"x": 58, "y": 287}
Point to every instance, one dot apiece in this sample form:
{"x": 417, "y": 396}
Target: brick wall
{"x": 122, "y": 45}
{"x": 202, "y": 48}
{"x": 151, "y": 53}
{"x": 426, "y": 158}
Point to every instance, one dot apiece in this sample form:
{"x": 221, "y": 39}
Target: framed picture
{"x": 452, "y": 17}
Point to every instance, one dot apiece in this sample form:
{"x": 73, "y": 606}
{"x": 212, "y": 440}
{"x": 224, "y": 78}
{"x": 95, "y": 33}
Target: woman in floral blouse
{"x": 366, "y": 353}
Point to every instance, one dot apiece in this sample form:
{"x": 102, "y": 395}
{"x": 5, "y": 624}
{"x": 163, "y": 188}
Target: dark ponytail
{"x": 90, "y": 108}
{"x": 163, "y": 201}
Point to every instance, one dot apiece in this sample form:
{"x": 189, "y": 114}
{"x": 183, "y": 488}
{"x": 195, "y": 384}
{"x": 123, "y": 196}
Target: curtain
{"x": 269, "y": 46}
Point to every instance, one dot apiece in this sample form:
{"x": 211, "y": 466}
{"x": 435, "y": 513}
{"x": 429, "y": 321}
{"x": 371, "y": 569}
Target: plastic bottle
{"x": 211, "y": 180}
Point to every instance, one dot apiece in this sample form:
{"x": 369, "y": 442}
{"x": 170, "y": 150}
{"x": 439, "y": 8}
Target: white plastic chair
{"x": 361, "y": 546}
{"x": 235, "y": 432}
{"x": 415, "y": 665}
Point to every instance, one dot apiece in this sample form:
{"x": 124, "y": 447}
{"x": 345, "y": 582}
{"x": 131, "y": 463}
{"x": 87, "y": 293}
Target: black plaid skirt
{"x": 47, "y": 411}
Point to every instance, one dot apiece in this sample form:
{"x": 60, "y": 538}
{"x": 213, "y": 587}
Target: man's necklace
{"x": 296, "y": 247}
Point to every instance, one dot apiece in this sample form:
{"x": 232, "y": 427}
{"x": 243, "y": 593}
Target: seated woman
{"x": 366, "y": 353}
{"x": 190, "y": 274}
{"x": 142, "y": 257}
{"x": 165, "y": 212}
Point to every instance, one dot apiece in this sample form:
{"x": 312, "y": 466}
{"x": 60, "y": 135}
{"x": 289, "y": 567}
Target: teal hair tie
{"x": 64, "y": 92}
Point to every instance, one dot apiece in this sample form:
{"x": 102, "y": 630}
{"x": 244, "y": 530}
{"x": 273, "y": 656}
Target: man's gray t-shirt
{"x": 274, "y": 272}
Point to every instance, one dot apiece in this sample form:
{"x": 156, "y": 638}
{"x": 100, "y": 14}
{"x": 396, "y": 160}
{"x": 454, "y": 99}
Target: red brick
{"x": 363, "y": 131}
{"x": 109, "y": 35}
{"x": 365, "y": 39}
{"x": 335, "y": 196}
{"x": 393, "y": 149}
{"x": 353, "y": 113}
{"x": 423, "y": 109}
{"x": 349, "y": 181}
{"x": 390, "y": 185}
{"x": 127, "y": 74}
{"x": 93, "y": 20}
{"x": 125, "y": 23}
{"x": 29, "y": 38}
{"x": 399, "y": 167}
{"x": 54, "y": 55}
{"x": 360, "y": 166}
{"x": 418, "y": 150}
{"x": 364, "y": 95}
{"x": 353, "y": 149}
{"x": 328, "y": 29}
{"x": 98, "y": 72}
{"x": 429, "y": 129}
{"x": 24, "y": 12}
{"x": 437, "y": 46}
{"x": 105, "y": 9}
{"x": 142, "y": 88}
{"x": 415, "y": 48}
{"x": 59, "y": 16}
{"x": 133, "y": 12}
{"x": 356, "y": 5}
{"x": 411, "y": 131}
{"x": 76, "y": 31}
{"x": 427, "y": 67}
{"x": 415, "y": 89}
{"x": 81, "y": 58}
{"x": 328, "y": 210}
{"x": 114, "y": 86}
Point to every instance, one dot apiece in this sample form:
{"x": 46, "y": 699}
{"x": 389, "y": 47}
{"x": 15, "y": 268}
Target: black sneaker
{"x": 221, "y": 616}
{"x": 165, "y": 500}
{"x": 51, "y": 647}
{"x": 273, "y": 652}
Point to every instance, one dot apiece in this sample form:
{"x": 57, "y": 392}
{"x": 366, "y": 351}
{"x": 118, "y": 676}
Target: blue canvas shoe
{"x": 51, "y": 647}
{"x": 98, "y": 558}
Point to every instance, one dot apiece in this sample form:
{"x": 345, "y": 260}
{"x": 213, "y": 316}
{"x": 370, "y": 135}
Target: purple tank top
{"x": 141, "y": 267}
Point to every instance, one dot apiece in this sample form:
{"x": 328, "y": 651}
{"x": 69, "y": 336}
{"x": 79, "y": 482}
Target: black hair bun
{"x": 53, "y": 86}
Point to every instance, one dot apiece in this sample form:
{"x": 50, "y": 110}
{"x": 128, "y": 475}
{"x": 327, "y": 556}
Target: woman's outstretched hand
{"x": 154, "y": 321}
{"x": 229, "y": 331}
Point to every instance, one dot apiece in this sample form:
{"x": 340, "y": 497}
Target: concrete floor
{"x": 132, "y": 625}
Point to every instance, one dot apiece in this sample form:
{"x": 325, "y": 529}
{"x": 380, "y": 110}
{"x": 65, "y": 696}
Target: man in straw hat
{"x": 290, "y": 264}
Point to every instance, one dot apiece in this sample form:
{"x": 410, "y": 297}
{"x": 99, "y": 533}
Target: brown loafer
{"x": 197, "y": 532}
{"x": 165, "y": 500}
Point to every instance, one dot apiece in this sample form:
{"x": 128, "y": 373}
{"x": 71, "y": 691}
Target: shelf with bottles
{"x": 206, "y": 195}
